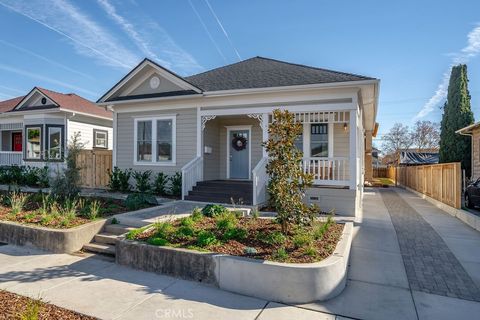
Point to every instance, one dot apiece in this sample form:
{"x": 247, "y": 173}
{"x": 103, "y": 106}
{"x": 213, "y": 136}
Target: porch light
{"x": 345, "y": 127}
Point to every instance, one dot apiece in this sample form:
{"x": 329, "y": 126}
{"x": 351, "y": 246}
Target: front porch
{"x": 11, "y": 143}
{"x": 231, "y": 151}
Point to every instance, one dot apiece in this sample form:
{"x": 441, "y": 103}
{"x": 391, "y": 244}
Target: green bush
{"x": 302, "y": 239}
{"x": 212, "y": 210}
{"x": 185, "y": 232}
{"x": 157, "y": 241}
{"x": 120, "y": 180}
{"x": 176, "y": 184}
{"x": 197, "y": 215}
{"x": 187, "y": 222}
{"x": 138, "y": 201}
{"x": 235, "y": 234}
{"x": 226, "y": 220}
{"x": 142, "y": 180}
{"x": 160, "y": 184}
{"x": 164, "y": 230}
{"x": 280, "y": 254}
{"x": 17, "y": 202}
{"x": 273, "y": 238}
{"x": 206, "y": 238}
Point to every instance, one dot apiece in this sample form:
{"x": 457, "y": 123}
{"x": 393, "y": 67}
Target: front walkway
{"x": 379, "y": 286}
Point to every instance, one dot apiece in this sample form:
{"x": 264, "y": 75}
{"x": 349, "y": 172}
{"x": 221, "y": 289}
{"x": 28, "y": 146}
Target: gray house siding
{"x": 186, "y": 124}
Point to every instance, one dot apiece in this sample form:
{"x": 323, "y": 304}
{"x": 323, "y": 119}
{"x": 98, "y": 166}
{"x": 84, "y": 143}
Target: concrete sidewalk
{"x": 378, "y": 287}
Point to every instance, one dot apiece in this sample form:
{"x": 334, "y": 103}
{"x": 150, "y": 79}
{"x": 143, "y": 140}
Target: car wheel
{"x": 468, "y": 203}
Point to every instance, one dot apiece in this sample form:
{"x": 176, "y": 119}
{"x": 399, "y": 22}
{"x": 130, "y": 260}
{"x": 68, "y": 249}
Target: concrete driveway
{"x": 394, "y": 274}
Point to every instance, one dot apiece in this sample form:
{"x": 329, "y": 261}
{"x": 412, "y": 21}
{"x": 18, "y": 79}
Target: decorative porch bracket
{"x": 260, "y": 117}
{"x": 205, "y": 119}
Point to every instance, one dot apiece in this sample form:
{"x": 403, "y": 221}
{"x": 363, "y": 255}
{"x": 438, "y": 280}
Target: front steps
{"x": 104, "y": 243}
{"x": 222, "y": 191}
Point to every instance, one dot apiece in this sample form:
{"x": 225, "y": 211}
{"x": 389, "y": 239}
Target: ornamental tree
{"x": 288, "y": 181}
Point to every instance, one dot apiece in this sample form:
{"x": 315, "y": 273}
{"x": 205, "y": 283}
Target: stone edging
{"x": 53, "y": 240}
{"x": 463, "y": 215}
{"x": 274, "y": 281}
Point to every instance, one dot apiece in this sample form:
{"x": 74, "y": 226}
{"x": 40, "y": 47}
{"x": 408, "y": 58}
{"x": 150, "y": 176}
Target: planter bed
{"x": 245, "y": 271}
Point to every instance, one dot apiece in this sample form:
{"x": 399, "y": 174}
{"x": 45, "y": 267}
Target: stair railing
{"x": 192, "y": 173}
{"x": 260, "y": 180}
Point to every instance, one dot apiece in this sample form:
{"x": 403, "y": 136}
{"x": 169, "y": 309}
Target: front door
{"x": 239, "y": 153}
{"x": 17, "y": 141}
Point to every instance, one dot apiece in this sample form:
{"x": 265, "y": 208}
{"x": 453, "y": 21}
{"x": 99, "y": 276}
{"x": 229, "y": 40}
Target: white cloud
{"x": 463, "y": 56}
{"x": 32, "y": 75}
{"x": 87, "y": 36}
{"x": 153, "y": 40}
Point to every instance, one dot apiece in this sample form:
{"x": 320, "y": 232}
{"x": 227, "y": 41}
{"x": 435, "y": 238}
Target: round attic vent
{"x": 44, "y": 100}
{"x": 154, "y": 82}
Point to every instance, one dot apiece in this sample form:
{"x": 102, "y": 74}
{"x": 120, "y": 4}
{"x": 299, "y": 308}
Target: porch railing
{"x": 260, "y": 180}
{"x": 328, "y": 171}
{"x": 192, "y": 172}
{"x": 8, "y": 158}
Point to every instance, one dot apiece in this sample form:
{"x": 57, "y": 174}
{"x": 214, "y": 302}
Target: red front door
{"x": 17, "y": 141}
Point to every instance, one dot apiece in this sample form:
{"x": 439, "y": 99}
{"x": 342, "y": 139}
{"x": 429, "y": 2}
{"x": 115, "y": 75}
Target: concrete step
{"x": 221, "y": 193}
{"x": 211, "y": 199}
{"x": 101, "y": 248}
{"x": 117, "y": 229}
{"x": 105, "y": 238}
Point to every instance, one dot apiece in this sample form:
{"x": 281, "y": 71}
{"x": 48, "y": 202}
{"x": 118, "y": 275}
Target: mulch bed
{"x": 30, "y": 215}
{"x": 13, "y": 306}
{"x": 324, "y": 246}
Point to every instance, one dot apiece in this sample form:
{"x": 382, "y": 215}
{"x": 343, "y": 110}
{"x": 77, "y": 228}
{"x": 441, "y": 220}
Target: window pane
{"x": 144, "y": 141}
{"x": 299, "y": 142}
{"x": 54, "y": 143}
{"x": 164, "y": 140}
{"x": 319, "y": 140}
{"x": 34, "y": 142}
{"x": 100, "y": 139}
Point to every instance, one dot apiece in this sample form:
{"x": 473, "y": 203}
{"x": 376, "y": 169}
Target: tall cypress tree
{"x": 457, "y": 114}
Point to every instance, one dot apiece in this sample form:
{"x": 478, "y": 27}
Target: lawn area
{"x": 216, "y": 229}
{"x": 383, "y": 181}
{"x": 13, "y": 306}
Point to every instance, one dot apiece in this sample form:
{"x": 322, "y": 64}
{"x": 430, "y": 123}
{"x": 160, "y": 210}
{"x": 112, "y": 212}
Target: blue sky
{"x": 86, "y": 46}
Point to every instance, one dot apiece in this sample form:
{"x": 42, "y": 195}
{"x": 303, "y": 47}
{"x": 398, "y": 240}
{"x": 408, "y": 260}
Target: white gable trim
{"x": 161, "y": 72}
{"x": 28, "y": 96}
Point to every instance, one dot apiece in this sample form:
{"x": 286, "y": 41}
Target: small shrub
{"x": 280, "y": 254}
{"x": 69, "y": 209}
{"x": 206, "y": 238}
{"x": 187, "y": 222}
{"x": 273, "y": 238}
{"x": 93, "y": 210}
{"x": 185, "y": 232}
{"x": 32, "y": 310}
{"x": 226, "y": 220}
{"x": 302, "y": 239}
{"x": 160, "y": 184}
{"x": 212, "y": 210}
{"x": 138, "y": 201}
{"x": 17, "y": 201}
{"x": 157, "y": 241}
{"x": 197, "y": 215}
{"x": 176, "y": 184}
{"x": 310, "y": 251}
{"x": 132, "y": 234}
{"x": 114, "y": 221}
{"x": 46, "y": 203}
{"x": 31, "y": 176}
{"x": 164, "y": 230}
{"x": 43, "y": 177}
{"x": 249, "y": 251}
{"x": 235, "y": 234}
{"x": 255, "y": 214}
{"x": 114, "y": 182}
{"x": 142, "y": 180}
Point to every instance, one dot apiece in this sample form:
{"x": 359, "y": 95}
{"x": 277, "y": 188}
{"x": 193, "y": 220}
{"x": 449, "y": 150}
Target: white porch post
{"x": 199, "y": 133}
{"x": 353, "y": 148}
{"x": 264, "y": 125}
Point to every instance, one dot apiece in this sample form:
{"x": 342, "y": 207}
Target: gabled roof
{"x": 65, "y": 101}
{"x": 189, "y": 87}
{"x": 9, "y": 104}
{"x": 259, "y": 72}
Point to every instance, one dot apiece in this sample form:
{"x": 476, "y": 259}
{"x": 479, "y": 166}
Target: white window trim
{"x": 306, "y": 139}
{"x": 154, "y": 141}
{"x": 48, "y": 147}
{"x": 32, "y": 127}
{"x": 102, "y": 131}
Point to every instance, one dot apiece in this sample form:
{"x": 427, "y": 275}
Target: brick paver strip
{"x": 430, "y": 265}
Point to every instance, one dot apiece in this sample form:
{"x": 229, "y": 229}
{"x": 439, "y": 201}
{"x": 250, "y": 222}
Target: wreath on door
{"x": 239, "y": 143}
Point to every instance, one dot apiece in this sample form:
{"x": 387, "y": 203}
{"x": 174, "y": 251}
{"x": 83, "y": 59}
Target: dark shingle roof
{"x": 262, "y": 72}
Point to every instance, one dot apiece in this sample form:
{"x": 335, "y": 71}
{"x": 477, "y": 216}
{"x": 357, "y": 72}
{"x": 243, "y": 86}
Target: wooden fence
{"x": 387, "y": 172}
{"x": 442, "y": 182}
{"x": 95, "y": 165}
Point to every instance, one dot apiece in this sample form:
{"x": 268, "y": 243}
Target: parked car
{"x": 472, "y": 194}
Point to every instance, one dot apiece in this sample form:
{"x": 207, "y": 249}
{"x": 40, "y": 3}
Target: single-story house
{"x": 210, "y": 127}
{"x": 35, "y": 128}
{"x": 473, "y": 131}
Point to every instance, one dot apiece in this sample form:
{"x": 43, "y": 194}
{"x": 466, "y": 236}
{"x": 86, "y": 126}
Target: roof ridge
{"x": 312, "y": 67}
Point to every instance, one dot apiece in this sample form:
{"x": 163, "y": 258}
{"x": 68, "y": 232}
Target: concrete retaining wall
{"x": 282, "y": 282}
{"x": 54, "y": 240}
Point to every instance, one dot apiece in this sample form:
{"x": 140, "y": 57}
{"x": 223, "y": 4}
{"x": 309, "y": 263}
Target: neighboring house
{"x": 211, "y": 126}
{"x": 473, "y": 131}
{"x": 35, "y": 128}
{"x": 418, "y": 157}
{"x": 375, "y": 158}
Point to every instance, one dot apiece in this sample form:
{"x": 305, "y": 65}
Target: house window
{"x": 155, "y": 141}
{"x": 299, "y": 142}
{"x": 100, "y": 139}
{"x": 54, "y": 142}
{"x": 34, "y": 143}
{"x": 319, "y": 140}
